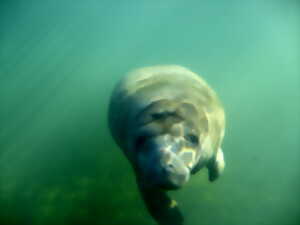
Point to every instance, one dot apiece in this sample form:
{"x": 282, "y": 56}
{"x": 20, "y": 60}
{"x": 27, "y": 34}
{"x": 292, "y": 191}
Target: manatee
{"x": 169, "y": 123}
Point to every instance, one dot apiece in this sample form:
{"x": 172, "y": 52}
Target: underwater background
{"x": 59, "y": 61}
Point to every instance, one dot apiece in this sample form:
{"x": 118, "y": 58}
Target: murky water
{"x": 59, "y": 61}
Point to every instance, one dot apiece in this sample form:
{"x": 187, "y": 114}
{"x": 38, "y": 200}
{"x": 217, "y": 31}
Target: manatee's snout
{"x": 161, "y": 166}
{"x": 174, "y": 171}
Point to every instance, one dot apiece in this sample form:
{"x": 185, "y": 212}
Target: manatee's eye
{"x": 140, "y": 141}
{"x": 192, "y": 138}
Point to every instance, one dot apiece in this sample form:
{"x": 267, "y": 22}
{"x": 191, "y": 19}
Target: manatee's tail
{"x": 164, "y": 210}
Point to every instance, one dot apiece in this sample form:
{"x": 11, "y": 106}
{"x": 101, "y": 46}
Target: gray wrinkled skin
{"x": 169, "y": 124}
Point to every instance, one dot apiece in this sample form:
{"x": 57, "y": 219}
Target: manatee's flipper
{"x": 163, "y": 209}
{"x": 197, "y": 167}
{"x": 216, "y": 166}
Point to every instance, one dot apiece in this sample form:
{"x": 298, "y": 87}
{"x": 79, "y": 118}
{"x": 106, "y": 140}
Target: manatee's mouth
{"x": 175, "y": 178}
{"x": 163, "y": 163}
{"x": 168, "y": 175}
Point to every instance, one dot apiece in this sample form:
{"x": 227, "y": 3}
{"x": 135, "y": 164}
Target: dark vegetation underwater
{"x": 59, "y": 61}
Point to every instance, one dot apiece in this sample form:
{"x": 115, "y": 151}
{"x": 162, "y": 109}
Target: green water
{"x": 59, "y": 61}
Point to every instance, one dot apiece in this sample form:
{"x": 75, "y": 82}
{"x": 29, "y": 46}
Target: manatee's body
{"x": 169, "y": 124}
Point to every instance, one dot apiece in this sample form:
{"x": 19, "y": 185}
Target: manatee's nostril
{"x": 171, "y": 168}
{"x": 170, "y": 165}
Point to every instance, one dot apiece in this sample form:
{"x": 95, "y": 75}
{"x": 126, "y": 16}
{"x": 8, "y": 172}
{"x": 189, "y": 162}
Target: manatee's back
{"x": 143, "y": 86}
